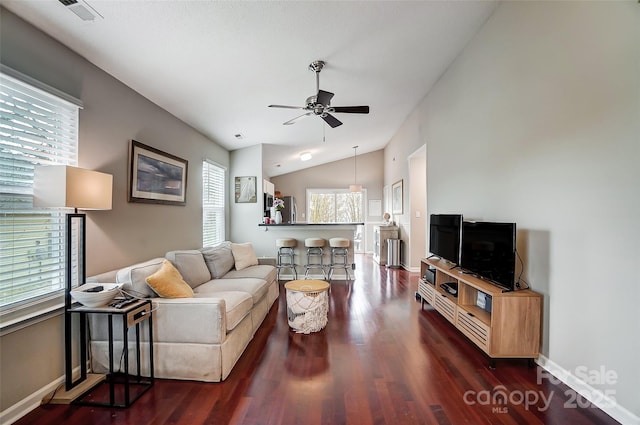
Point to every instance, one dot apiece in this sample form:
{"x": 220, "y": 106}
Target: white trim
{"x": 31, "y": 402}
{"x": 420, "y": 151}
{"x": 30, "y": 317}
{"x": 605, "y": 403}
{"x": 39, "y": 85}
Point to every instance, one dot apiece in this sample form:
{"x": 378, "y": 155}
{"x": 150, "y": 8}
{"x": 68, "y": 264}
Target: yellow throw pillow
{"x": 168, "y": 283}
{"x": 243, "y": 255}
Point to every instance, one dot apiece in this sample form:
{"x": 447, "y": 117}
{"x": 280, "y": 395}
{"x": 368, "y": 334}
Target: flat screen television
{"x": 444, "y": 236}
{"x": 488, "y": 250}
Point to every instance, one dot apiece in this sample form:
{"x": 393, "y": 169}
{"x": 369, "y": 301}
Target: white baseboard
{"x": 29, "y": 403}
{"x": 595, "y": 396}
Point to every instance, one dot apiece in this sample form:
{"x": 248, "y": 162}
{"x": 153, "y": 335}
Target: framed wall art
{"x": 246, "y": 189}
{"x": 396, "y": 197}
{"x": 156, "y": 177}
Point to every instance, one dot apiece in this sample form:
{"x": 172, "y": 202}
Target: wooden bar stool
{"x": 314, "y": 251}
{"x": 339, "y": 256}
{"x": 286, "y": 256}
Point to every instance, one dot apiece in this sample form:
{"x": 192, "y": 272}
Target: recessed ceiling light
{"x": 305, "y": 156}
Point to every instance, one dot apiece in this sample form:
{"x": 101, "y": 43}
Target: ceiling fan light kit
{"x": 320, "y": 104}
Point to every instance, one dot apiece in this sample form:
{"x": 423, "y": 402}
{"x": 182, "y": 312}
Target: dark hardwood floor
{"x": 380, "y": 360}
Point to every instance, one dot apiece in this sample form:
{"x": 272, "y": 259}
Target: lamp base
{"x": 61, "y": 396}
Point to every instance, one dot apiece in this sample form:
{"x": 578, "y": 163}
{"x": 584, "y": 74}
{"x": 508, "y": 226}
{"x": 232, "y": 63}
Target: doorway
{"x": 417, "y": 208}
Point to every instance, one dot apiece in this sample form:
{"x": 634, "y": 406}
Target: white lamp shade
{"x": 355, "y": 188}
{"x": 62, "y": 186}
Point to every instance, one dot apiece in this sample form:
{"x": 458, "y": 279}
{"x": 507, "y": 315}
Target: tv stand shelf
{"x": 509, "y": 329}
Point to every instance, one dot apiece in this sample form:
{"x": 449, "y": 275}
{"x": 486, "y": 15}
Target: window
{"x": 213, "y": 196}
{"x": 334, "y": 206}
{"x": 36, "y": 128}
{"x": 338, "y": 206}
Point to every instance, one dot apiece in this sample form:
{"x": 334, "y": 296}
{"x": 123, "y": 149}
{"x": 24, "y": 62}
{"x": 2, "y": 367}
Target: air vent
{"x": 82, "y": 9}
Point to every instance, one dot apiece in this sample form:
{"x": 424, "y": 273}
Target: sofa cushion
{"x": 237, "y": 304}
{"x": 219, "y": 259}
{"x": 168, "y": 283}
{"x": 265, "y": 272}
{"x": 244, "y": 255}
{"x": 134, "y": 277}
{"x": 257, "y": 288}
{"x": 191, "y": 265}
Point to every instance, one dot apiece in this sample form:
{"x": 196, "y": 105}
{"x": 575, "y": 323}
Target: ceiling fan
{"x": 320, "y": 104}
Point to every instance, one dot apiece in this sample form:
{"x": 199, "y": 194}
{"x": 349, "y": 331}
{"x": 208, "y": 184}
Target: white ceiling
{"x": 217, "y": 65}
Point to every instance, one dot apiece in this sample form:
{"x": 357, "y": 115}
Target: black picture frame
{"x": 156, "y": 177}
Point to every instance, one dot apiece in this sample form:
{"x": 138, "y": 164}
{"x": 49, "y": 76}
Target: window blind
{"x": 36, "y": 128}
{"x": 213, "y": 203}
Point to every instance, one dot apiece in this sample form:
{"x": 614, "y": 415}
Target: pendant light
{"x": 355, "y": 187}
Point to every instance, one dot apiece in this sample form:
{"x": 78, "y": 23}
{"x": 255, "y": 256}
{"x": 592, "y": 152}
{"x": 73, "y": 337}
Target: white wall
{"x": 537, "y": 122}
{"x": 245, "y": 217}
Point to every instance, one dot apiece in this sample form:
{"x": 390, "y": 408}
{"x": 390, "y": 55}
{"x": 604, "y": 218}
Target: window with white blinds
{"x": 213, "y": 203}
{"x": 36, "y": 128}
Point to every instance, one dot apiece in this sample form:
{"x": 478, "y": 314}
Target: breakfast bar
{"x": 327, "y": 231}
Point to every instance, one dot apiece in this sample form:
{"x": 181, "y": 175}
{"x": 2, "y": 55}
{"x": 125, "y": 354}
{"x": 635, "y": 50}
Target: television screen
{"x": 444, "y": 236}
{"x": 488, "y": 250}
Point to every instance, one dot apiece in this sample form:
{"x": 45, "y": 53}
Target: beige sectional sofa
{"x": 199, "y": 338}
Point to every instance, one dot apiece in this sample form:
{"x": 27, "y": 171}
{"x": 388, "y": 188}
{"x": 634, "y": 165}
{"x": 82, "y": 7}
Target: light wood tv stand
{"x": 512, "y": 328}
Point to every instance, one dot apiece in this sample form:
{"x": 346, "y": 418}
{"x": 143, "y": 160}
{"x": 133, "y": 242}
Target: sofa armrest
{"x": 189, "y": 320}
{"x": 267, "y": 261}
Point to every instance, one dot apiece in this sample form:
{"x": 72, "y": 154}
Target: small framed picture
{"x": 156, "y": 177}
{"x": 396, "y": 197}
{"x": 246, "y": 189}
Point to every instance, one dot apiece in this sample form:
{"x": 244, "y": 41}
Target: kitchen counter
{"x": 301, "y": 231}
{"x": 309, "y": 224}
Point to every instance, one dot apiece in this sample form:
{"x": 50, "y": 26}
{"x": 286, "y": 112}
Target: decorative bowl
{"x": 95, "y": 299}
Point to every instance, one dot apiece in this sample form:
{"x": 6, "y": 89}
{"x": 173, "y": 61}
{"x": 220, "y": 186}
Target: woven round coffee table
{"x": 307, "y": 305}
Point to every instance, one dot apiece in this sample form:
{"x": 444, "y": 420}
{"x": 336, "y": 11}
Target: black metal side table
{"x": 120, "y": 385}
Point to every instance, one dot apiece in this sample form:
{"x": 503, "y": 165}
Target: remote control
{"x": 122, "y": 303}
{"x": 95, "y": 289}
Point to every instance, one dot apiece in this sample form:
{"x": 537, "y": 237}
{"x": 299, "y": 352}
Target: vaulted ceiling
{"x": 218, "y": 65}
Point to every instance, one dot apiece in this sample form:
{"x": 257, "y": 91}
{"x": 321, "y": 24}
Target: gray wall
{"x": 113, "y": 114}
{"x": 537, "y": 122}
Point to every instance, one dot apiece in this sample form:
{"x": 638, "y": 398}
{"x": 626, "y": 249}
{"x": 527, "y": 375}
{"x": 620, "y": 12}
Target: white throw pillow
{"x": 244, "y": 255}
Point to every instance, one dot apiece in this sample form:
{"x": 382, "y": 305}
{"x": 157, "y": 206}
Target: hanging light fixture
{"x": 355, "y": 187}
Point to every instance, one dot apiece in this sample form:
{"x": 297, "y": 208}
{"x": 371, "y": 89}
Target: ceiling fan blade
{"x": 296, "y": 119}
{"x": 351, "y": 109}
{"x": 286, "y": 107}
{"x": 324, "y": 97}
{"x": 331, "y": 120}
